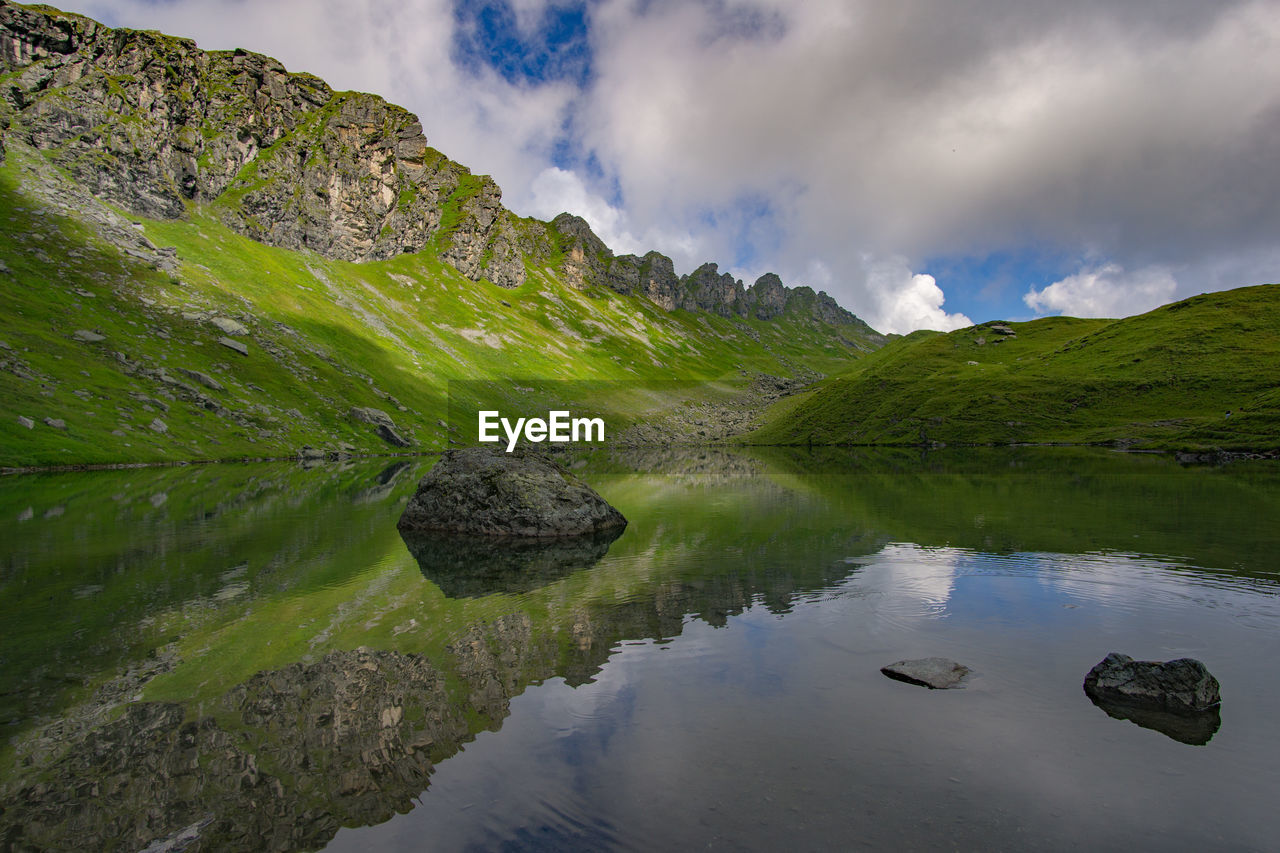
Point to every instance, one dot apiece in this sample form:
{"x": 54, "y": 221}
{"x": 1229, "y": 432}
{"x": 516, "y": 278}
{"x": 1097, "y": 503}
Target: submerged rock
{"x": 934, "y": 673}
{"x": 482, "y": 492}
{"x": 1178, "y": 686}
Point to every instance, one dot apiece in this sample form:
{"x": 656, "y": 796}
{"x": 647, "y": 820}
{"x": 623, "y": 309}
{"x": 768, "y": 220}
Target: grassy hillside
{"x": 112, "y": 354}
{"x": 1198, "y": 374}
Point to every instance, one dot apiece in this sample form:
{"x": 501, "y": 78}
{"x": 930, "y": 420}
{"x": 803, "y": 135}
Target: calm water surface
{"x": 250, "y": 657}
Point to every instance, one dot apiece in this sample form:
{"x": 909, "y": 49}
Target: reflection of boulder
{"x": 384, "y": 484}
{"x": 484, "y": 492}
{"x": 1193, "y": 728}
{"x": 1178, "y": 698}
{"x": 469, "y": 566}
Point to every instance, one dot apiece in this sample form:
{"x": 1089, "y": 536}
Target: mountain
{"x": 1200, "y": 374}
{"x": 207, "y": 256}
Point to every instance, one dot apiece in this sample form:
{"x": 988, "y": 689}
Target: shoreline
{"x": 14, "y": 471}
{"x": 1187, "y": 456}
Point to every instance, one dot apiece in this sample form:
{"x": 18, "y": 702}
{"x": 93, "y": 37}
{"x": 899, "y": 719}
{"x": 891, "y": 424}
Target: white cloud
{"x": 905, "y": 302}
{"x": 557, "y": 191}
{"x": 1105, "y": 291}
{"x": 1143, "y": 130}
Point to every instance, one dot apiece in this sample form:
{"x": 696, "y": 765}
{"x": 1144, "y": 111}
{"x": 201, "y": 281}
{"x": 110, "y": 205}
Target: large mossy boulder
{"x": 482, "y": 492}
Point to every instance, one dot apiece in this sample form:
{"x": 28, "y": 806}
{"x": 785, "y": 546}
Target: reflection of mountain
{"x": 303, "y": 750}
{"x": 82, "y": 587}
{"x": 284, "y": 759}
{"x": 1055, "y": 500}
{"x": 276, "y": 754}
{"x": 464, "y": 565}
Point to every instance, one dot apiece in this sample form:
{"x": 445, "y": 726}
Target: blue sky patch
{"x": 991, "y": 287}
{"x": 557, "y": 48}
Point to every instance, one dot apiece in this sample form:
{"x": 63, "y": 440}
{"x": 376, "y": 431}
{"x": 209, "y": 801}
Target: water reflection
{"x": 254, "y": 660}
{"x": 470, "y": 566}
{"x": 1195, "y": 729}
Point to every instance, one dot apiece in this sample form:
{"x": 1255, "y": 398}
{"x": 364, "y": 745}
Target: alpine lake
{"x": 251, "y": 657}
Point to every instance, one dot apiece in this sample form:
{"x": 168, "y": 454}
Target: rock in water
{"x": 1182, "y": 686}
{"x": 934, "y": 673}
{"x": 479, "y": 491}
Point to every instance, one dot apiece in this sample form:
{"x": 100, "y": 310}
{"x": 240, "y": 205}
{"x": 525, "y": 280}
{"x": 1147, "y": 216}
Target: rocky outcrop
{"x": 149, "y": 122}
{"x": 478, "y": 491}
{"x": 934, "y": 673}
{"x": 768, "y": 297}
{"x": 1179, "y": 686}
{"x": 588, "y": 262}
{"x": 152, "y": 123}
{"x": 587, "y": 259}
{"x": 383, "y": 425}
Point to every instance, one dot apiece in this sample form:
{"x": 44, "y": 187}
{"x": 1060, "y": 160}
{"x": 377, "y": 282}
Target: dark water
{"x": 250, "y": 657}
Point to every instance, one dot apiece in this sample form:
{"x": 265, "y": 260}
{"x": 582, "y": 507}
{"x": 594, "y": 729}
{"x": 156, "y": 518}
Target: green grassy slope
{"x": 1165, "y": 379}
{"x": 324, "y": 337}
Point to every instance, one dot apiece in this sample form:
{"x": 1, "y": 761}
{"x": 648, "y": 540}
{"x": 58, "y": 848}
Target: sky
{"x": 929, "y": 163}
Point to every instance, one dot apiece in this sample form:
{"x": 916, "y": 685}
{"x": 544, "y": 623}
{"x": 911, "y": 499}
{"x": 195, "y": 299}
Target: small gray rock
{"x": 56, "y": 423}
{"x": 390, "y": 436}
{"x": 159, "y": 426}
{"x": 934, "y": 673}
{"x": 26, "y": 422}
{"x": 239, "y": 347}
{"x": 228, "y": 326}
{"x": 203, "y": 378}
{"x": 1178, "y": 686}
{"x": 88, "y": 337}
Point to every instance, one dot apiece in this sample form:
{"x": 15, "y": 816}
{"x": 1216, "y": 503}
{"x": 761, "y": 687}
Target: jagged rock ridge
{"x": 151, "y": 122}
{"x": 590, "y": 262}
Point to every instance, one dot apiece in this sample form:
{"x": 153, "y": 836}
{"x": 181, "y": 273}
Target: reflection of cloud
{"x": 914, "y": 581}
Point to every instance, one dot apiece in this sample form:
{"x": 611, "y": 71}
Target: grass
{"x": 326, "y": 336}
{"x": 1199, "y": 374}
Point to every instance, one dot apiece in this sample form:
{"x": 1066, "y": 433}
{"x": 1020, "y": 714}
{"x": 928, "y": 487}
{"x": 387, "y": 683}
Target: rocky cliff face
{"x": 589, "y": 262}
{"x": 151, "y": 122}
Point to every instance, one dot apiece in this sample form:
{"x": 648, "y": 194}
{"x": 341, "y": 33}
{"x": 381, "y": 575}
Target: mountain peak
{"x": 153, "y": 123}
